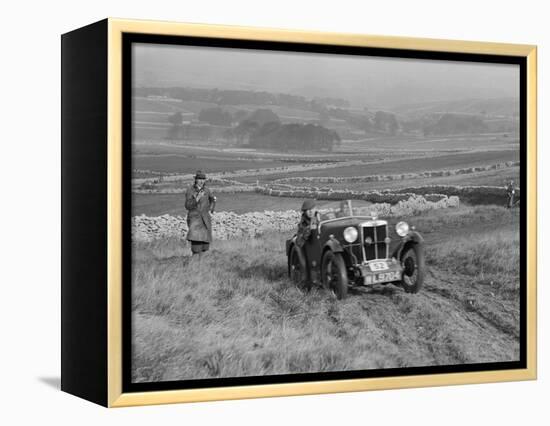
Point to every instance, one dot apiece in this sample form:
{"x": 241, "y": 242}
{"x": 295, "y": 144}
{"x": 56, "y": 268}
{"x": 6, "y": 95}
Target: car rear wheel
{"x": 335, "y": 276}
{"x": 413, "y": 263}
{"x": 297, "y": 268}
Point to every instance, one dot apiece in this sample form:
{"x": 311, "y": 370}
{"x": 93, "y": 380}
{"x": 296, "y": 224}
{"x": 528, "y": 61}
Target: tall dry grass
{"x": 234, "y": 312}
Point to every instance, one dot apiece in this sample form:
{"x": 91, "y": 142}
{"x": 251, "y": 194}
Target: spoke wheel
{"x": 297, "y": 268}
{"x": 335, "y": 276}
{"x": 412, "y": 261}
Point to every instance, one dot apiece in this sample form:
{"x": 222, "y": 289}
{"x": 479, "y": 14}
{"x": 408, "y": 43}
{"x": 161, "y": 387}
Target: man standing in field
{"x": 200, "y": 204}
{"x": 511, "y": 191}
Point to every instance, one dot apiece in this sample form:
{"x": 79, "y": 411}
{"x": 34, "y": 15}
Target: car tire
{"x": 297, "y": 268}
{"x": 334, "y": 273}
{"x": 414, "y": 268}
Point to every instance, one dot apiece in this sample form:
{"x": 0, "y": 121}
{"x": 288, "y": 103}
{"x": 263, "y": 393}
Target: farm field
{"x": 237, "y": 314}
{"x": 141, "y": 104}
{"x": 382, "y": 146}
{"x": 188, "y": 164}
{"x": 202, "y": 148}
{"x": 447, "y": 143}
{"x": 498, "y": 177}
{"x": 449, "y": 161}
{"x": 173, "y": 204}
{"x": 214, "y": 161}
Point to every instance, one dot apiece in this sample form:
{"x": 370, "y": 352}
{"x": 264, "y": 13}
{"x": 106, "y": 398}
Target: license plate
{"x": 382, "y": 277}
{"x": 378, "y": 266}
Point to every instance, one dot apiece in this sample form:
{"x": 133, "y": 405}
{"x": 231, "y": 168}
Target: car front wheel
{"x": 297, "y": 269}
{"x": 335, "y": 276}
{"x": 413, "y": 263}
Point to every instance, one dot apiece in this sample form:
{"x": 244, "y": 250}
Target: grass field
{"x": 230, "y": 151}
{"x": 435, "y": 143}
{"x": 498, "y": 177}
{"x": 158, "y": 105}
{"x": 236, "y": 314}
{"x": 189, "y": 164}
{"x": 159, "y": 204}
{"x": 451, "y": 161}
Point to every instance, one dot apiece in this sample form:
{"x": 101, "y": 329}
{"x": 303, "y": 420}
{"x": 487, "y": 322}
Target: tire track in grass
{"x": 468, "y": 302}
{"x": 435, "y": 325}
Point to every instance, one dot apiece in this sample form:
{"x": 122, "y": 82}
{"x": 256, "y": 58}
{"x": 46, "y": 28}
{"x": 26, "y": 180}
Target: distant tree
{"x": 239, "y": 115}
{"x": 215, "y": 116}
{"x": 393, "y": 126}
{"x": 244, "y": 129}
{"x": 379, "y": 120}
{"x": 337, "y": 102}
{"x": 317, "y": 106}
{"x": 340, "y": 113}
{"x": 449, "y": 124}
{"x": 293, "y": 136}
{"x": 253, "y": 122}
{"x": 360, "y": 122}
{"x": 204, "y": 132}
{"x": 176, "y": 120}
{"x": 229, "y": 134}
{"x": 386, "y": 122}
{"x": 324, "y": 117}
{"x": 292, "y": 101}
{"x": 262, "y": 116}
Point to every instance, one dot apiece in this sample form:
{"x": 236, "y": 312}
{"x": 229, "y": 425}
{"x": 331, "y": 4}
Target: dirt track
{"x": 451, "y": 321}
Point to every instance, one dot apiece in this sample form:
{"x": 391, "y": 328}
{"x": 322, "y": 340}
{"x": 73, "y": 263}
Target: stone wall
{"x": 229, "y": 225}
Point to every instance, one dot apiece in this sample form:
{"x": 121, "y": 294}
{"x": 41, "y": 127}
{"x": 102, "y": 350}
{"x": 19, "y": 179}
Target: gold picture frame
{"x": 113, "y": 383}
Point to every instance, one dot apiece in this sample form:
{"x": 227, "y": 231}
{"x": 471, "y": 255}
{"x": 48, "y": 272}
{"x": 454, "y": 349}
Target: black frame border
{"x": 130, "y": 38}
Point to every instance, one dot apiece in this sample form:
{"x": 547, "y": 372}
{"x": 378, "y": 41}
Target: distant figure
{"x": 511, "y": 191}
{"x": 308, "y": 222}
{"x": 200, "y": 204}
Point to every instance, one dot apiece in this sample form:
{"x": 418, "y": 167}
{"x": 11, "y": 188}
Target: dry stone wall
{"x": 471, "y": 194}
{"x": 229, "y": 225}
{"x": 401, "y": 176}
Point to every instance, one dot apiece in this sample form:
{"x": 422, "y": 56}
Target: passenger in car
{"x": 308, "y": 222}
{"x": 344, "y": 210}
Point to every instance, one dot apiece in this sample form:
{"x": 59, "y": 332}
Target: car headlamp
{"x": 350, "y": 234}
{"x": 402, "y": 229}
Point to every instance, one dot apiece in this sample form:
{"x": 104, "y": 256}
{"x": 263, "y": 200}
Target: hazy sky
{"x": 368, "y": 81}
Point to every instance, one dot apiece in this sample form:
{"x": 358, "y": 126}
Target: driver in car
{"x": 308, "y": 222}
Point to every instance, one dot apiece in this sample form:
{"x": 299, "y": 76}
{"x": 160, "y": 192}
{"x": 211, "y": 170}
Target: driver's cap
{"x": 308, "y": 204}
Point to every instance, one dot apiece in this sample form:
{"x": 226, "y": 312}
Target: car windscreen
{"x": 344, "y": 208}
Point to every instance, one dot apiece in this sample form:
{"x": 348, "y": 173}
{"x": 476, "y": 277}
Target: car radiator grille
{"x": 356, "y": 253}
{"x": 378, "y": 249}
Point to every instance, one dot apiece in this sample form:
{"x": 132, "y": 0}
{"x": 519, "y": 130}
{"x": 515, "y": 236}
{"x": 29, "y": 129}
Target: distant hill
{"x": 497, "y": 107}
{"x": 452, "y": 124}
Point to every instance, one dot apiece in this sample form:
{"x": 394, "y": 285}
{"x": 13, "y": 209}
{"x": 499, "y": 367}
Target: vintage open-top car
{"x": 349, "y": 246}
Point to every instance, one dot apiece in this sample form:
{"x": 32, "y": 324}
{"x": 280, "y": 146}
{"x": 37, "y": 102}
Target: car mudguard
{"x": 334, "y": 245}
{"x": 412, "y": 236}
